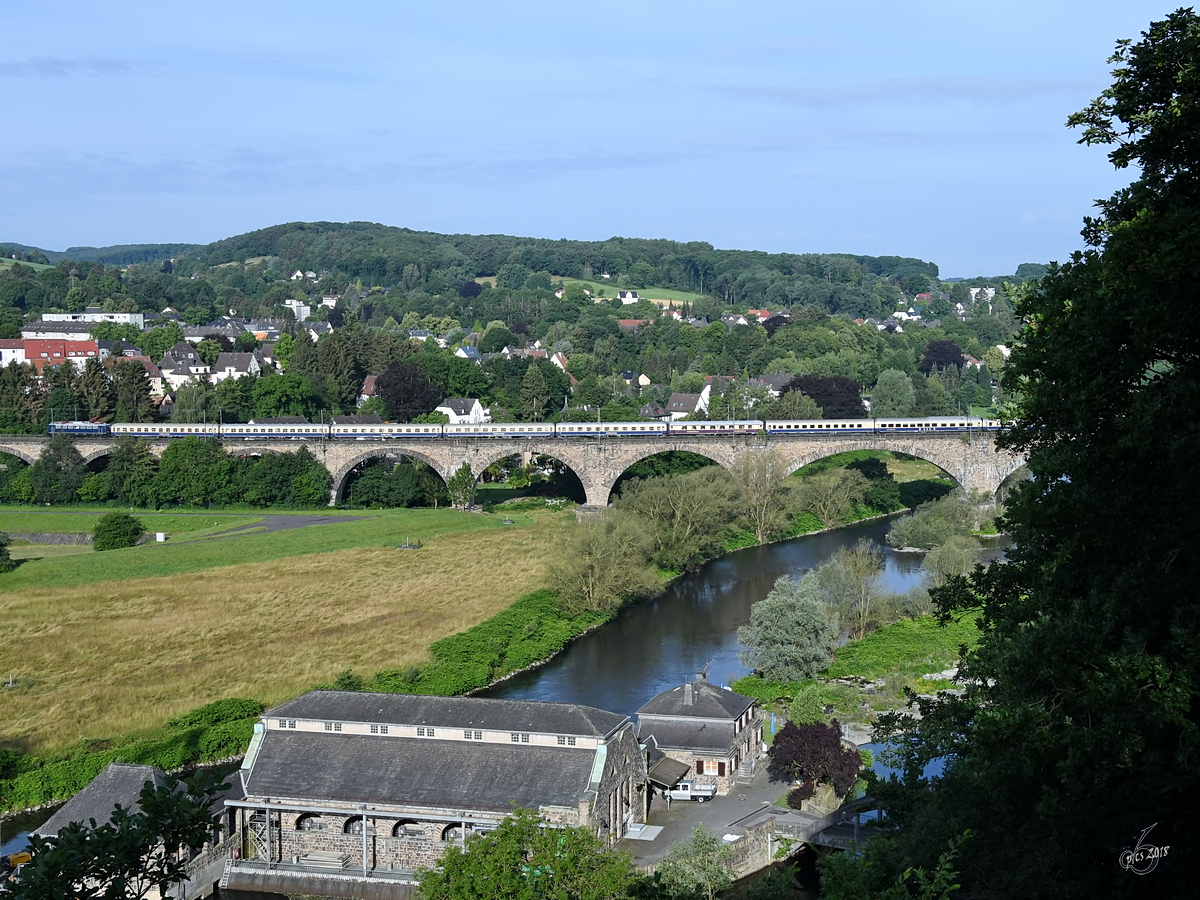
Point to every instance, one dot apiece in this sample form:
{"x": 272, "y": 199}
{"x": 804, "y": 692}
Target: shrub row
{"x": 529, "y": 631}
{"x": 216, "y": 731}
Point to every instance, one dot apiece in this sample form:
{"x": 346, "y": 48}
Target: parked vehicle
{"x": 691, "y": 790}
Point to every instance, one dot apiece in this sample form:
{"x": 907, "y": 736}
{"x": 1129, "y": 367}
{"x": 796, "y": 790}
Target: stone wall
{"x": 619, "y": 802}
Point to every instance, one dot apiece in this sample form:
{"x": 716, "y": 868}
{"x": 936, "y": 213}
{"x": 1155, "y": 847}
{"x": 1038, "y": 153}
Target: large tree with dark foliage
{"x": 135, "y": 853}
{"x": 838, "y": 397}
{"x": 941, "y": 354}
{"x": 406, "y": 391}
{"x": 814, "y": 753}
{"x": 1079, "y": 723}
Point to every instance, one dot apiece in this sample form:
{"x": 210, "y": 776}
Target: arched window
{"x": 354, "y": 825}
{"x": 311, "y": 822}
{"x": 453, "y": 833}
{"x": 408, "y": 828}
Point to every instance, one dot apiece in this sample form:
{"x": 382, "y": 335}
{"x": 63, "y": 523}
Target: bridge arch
{"x": 340, "y": 474}
{"x": 482, "y": 461}
{"x": 632, "y": 459}
{"x": 21, "y": 452}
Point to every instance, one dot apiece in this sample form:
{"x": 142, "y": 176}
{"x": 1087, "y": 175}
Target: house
{"x": 11, "y": 351}
{"x": 698, "y": 322}
{"x": 980, "y": 294}
{"x": 760, "y": 314}
{"x": 56, "y": 331}
{"x": 628, "y": 297}
{"x": 372, "y": 783}
{"x": 122, "y": 783}
{"x": 42, "y": 353}
{"x": 299, "y": 308}
{"x": 715, "y": 732}
{"x": 318, "y": 329}
{"x": 653, "y": 410}
{"x": 467, "y": 352}
{"x": 182, "y": 363}
{"x": 631, "y": 325}
{"x": 235, "y": 365}
{"x": 166, "y": 405}
{"x": 268, "y": 329}
{"x": 120, "y": 348}
{"x": 464, "y": 411}
{"x": 559, "y": 359}
{"x": 94, "y": 314}
{"x": 733, "y": 321}
{"x": 268, "y": 354}
{"x": 367, "y": 391}
{"x": 330, "y": 300}
{"x": 772, "y": 384}
{"x": 153, "y": 372}
{"x": 680, "y": 406}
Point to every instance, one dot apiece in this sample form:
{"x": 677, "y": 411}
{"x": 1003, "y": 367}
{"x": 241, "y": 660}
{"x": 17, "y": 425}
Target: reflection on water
{"x": 657, "y": 644}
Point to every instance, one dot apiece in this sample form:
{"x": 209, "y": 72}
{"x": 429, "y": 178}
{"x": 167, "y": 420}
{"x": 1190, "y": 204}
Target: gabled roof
{"x": 315, "y": 766}
{"x": 683, "y": 402}
{"x": 450, "y": 712}
{"x": 708, "y": 702}
{"x": 368, "y": 386}
{"x": 119, "y": 783}
{"x": 461, "y": 406}
{"x": 369, "y": 419}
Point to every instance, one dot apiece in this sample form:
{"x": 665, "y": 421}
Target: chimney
{"x": 687, "y": 694}
{"x": 702, "y": 676}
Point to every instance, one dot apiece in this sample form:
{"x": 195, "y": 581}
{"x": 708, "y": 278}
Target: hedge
{"x": 220, "y": 730}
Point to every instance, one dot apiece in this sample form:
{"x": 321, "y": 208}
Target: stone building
{"x": 712, "y": 730}
{"x": 381, "y": 783}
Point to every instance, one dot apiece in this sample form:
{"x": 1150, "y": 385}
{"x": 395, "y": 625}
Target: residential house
{"x": 732, "y": 321}
{"x": 985, "y": 293}
{"x": 95, "y": 314}
{"x": 298, "y": 275}
{"x": 376, "y": 782}
{"x": 57, "y": 331}
{"x": 120, "y": 348}
{"x": 317, "y": 330}
{"x": 628, "y": 297}
{"x": 715, "y": 732}
{"x": 653, "y": 410}
{"x": 631, "y": 325}
{"x": 11, "y": 351}
{"x": 367, "y": 391}
{"x": 236, "y": 365}
{"x": 271, "y": 329}
{"x": 680, "y": 406}
{"x": 330, "y": 300}
{"x": 698, "y": 322}
{"x": 464, "y": 411}
{"x": 42, "y": 353}
{"x": 268, "y": 354}
{"x": 467, "y": 352}
{"x": 772, "y": 384}
{"x": 182, "y": 363}
{"x": 559, "y": 359}
{"x": 153, "y": 373}
{"x": 299, "y": 308}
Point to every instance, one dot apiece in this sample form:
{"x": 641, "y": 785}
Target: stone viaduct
{"x": 970, "y": 458}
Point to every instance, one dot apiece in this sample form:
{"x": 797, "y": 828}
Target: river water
{"x": 660, "y": 643}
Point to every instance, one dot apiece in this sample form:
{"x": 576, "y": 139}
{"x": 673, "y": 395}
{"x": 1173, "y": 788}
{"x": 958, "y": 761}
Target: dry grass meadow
{"x": 98, "y": 659}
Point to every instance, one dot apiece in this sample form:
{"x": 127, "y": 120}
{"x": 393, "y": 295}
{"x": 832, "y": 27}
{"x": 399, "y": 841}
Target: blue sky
{"x": 927, "y": 129}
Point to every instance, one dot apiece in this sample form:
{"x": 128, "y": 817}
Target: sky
{"x": 926, "y": 129}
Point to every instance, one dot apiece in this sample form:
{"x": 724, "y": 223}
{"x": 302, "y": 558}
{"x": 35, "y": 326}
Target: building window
{"x": 291, "y": 723}
{"x": 515, "y": 737}
{"x": 282, "y": 723}
{"x": 570, "y": 742}
{"x": 467, "y": 735}
{"x": 329, "y": 726}
{"x": 383, "y": 729}
{"x": 479, "y": 735}
{"x": 524, "y": 739}
{"x": 374, "y": 729}
{"x": 420, "y": 732}
{"x": 337, "y": 726}
{"x": 562, "y": 741}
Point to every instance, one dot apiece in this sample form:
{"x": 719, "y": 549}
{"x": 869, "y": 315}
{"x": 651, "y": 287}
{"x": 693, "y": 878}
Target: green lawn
{"x": 384, "y": 527}
{"x": 910, "y": 647}
{"x": 177, "y": 526}
{"x": 8, "y": 264}
{"x": 610, "y": 290}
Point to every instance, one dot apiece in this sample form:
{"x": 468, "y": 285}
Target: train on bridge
{"x": 523, "y": 430}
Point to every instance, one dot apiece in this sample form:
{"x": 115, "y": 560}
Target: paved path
{"x": 271, "y": 523}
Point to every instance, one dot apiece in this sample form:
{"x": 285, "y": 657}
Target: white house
{"x": 628, "y": 297}
{"x": 682, "y": 405}
{"x": 235, "y": 365}
{"x": 300, "y": 309}
{"x": 464, "y": 411}
{"x": 11, "y": 351}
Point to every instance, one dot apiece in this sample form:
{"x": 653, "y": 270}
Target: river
{"x": 661, "y": 642}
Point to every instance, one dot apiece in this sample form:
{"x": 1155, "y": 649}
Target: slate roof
{"x": 462, "y": 406}
{"x": 314, "y": 766}
{"x": 369, "y": 419}
{"x": 119, "y": 783}
{"x": 683, "y": 403}
{"x": 708, "y": 702}
{"x": 451, "y": 712}
{"x": 682, "y": 734}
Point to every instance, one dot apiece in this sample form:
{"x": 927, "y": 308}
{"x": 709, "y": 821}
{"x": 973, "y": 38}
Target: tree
{"x": 851, "y": 581}
{"x": 685, "y": 514}
{"x": 814, "y": 753}
{"x": 133, "y": 853}
{"x": 116, "y": 531}
{"x": 522, "y": 859}
{"x": 601, "y": 562}
{"x": 1077, "y": 723}
{"x": 94, "y": 390}
{"x": 131, "y": 470}
{"x": 6, "y": 560}
{"x": 792, "y": 405}
{"x": 892, "y": 394}
{"x": 58, "y": 472}
{"x": 496, "y": 338}
{"x": 407, "y": 392}
{"x": 534, "y": 394}
{"x": 461, "y": 486}
{"x": 284, "y": 395}
{"x": 791, "y": 635}
{"x": 955, "y": 556}
{"x": 193, "y": 472}
{"x": 131, "y": 390}
{"x": 209, "y": 350}
{"x": 195, "y": 401}
{"x": 837, "y": 396}
{"x": 763, "y": 492}
{"x": 699, "y": 867}
{"x": 941, "y": 354}
{"x": 831, "y": 495}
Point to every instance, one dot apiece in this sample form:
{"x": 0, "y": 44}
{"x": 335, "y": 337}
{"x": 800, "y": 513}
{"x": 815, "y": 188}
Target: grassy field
{"x": 177, "y": 526}
{"x": 675, "y": 298}
{"x": 115, "y": 643}
{"x": 8, "y": 264}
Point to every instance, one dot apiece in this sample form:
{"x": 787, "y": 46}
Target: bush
{"x": 116, "y": 531}
{"x": 797, "y": 795}
{"x": 228, "y": 710}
